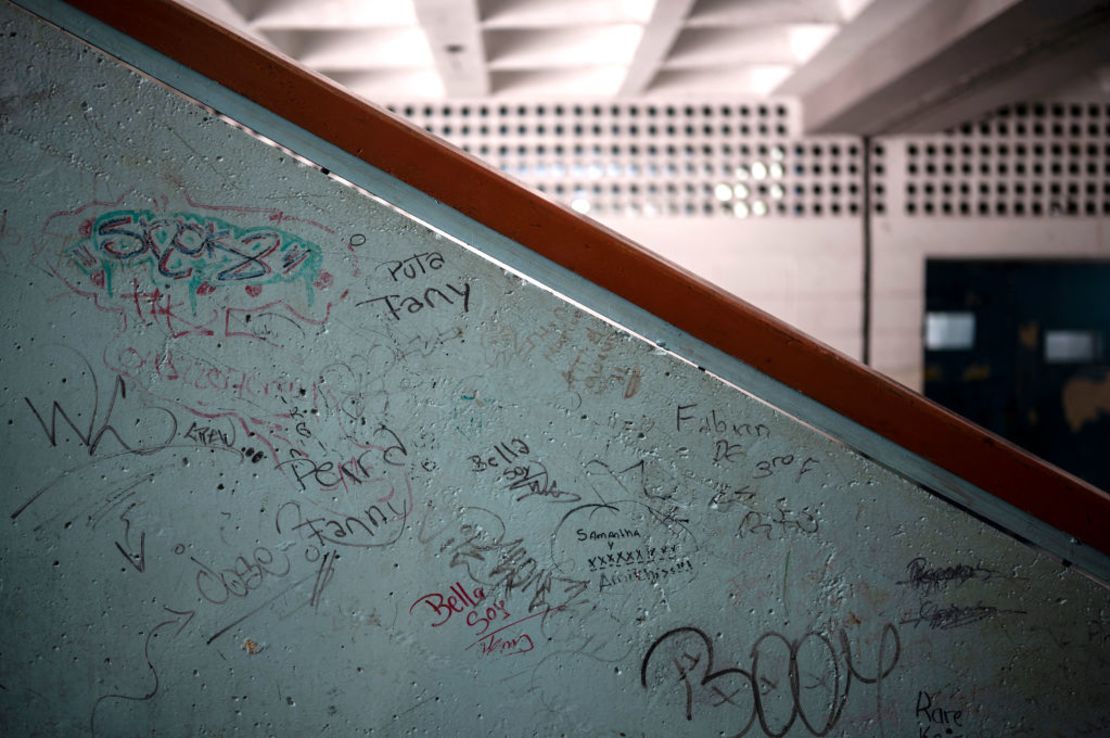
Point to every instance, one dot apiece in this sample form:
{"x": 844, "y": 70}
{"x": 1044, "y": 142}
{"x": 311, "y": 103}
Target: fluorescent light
{"x": 1072, "y": 347}
{"x": 949, "y": 331}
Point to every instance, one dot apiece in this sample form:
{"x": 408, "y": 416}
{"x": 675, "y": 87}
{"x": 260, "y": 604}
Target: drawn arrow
{"x": 137, "y": 561}
{"x": 187, "y": 614}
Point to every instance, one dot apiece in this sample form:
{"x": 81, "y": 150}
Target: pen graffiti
{"x": 480, "y": 618}
{"x": 357, "y": 529}
{"x": 940, "y": 721}
{"x": 430, "y": 298}
{"x": 947, "y": 617}
{"x": 179, "y": 618}
{"x": 99, "y": 427}
{"x": 928, "y": 579}
{"x": 533, "y": 480}
{"x": 686, "y": 417}
{"x": 768, "y": 467}
{"x": 768, "y": 692}
{"x": 493, "y": 644}
{"x": 413, "y": 266}
{"x": 776, "y": 525}
{"x": 371, "y": 466}
{"x": 645, "y": 555}
{"x": 478, "y": 542}
{"x": 449, "y": 605}
{"x": 505, "y": 453}
{"x": 644, "y": 575}
{"x": 518, "y": 474}
{"x": 207, "y": 435}
{"x": 241, "y": 578}
{"x": 622, "y": 543}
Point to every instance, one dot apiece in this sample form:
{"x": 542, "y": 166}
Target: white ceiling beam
{"x": 454, "y": 34}
{"x": 870, "y": 21}
{"x": 330, "y": 14}
{"x": 660, "y": 33}
{"x": 228, "y": 14}
{"x": 724, "y": 13}
{"x": 947, "y": 63}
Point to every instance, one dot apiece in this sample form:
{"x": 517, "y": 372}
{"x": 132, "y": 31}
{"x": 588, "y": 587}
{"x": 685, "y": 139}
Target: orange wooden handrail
{"x": 615, "y": 263}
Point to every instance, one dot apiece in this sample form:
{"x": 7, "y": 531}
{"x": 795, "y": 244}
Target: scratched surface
{"x": 278, "y": 460}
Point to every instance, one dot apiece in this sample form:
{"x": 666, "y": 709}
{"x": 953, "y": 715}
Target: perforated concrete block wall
{"x": 278, "y": 460}
{"x": 735, "y": 193}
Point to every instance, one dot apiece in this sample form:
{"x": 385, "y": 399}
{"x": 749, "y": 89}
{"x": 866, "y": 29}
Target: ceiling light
{"x": 723, "y": 192}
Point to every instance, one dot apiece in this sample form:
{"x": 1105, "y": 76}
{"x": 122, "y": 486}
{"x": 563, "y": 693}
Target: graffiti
{"x": 769, "y": 691}
{"x": 623, "y": 543}
{"x": 202, "y": 252}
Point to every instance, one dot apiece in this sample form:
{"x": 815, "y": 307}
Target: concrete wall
{"x": 278, "y": 460}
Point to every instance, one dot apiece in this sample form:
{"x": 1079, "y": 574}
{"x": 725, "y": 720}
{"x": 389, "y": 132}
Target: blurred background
{"x": 922, "y": 184}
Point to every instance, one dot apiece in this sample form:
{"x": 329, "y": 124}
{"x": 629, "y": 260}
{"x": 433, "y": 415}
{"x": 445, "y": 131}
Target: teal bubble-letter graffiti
{"x": 203, "y": 253}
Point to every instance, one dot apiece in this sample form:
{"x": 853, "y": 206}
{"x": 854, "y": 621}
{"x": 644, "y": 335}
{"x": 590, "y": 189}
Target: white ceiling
{"x": 436, "y": 49}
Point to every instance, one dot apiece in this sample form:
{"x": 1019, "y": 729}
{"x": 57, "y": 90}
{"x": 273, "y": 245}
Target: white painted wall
{"x": 807, "y": 272}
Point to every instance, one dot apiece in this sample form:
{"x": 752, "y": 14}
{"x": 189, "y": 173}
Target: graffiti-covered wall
{"x": 278, "y": 460}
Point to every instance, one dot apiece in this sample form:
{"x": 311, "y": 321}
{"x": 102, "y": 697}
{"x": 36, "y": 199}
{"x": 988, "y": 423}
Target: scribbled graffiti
{"x": 202, "y": 252}
{"x": 805, "y": 680}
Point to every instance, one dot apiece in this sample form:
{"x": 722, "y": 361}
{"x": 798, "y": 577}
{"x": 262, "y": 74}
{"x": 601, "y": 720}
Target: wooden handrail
{"x": 611, "y": 261}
